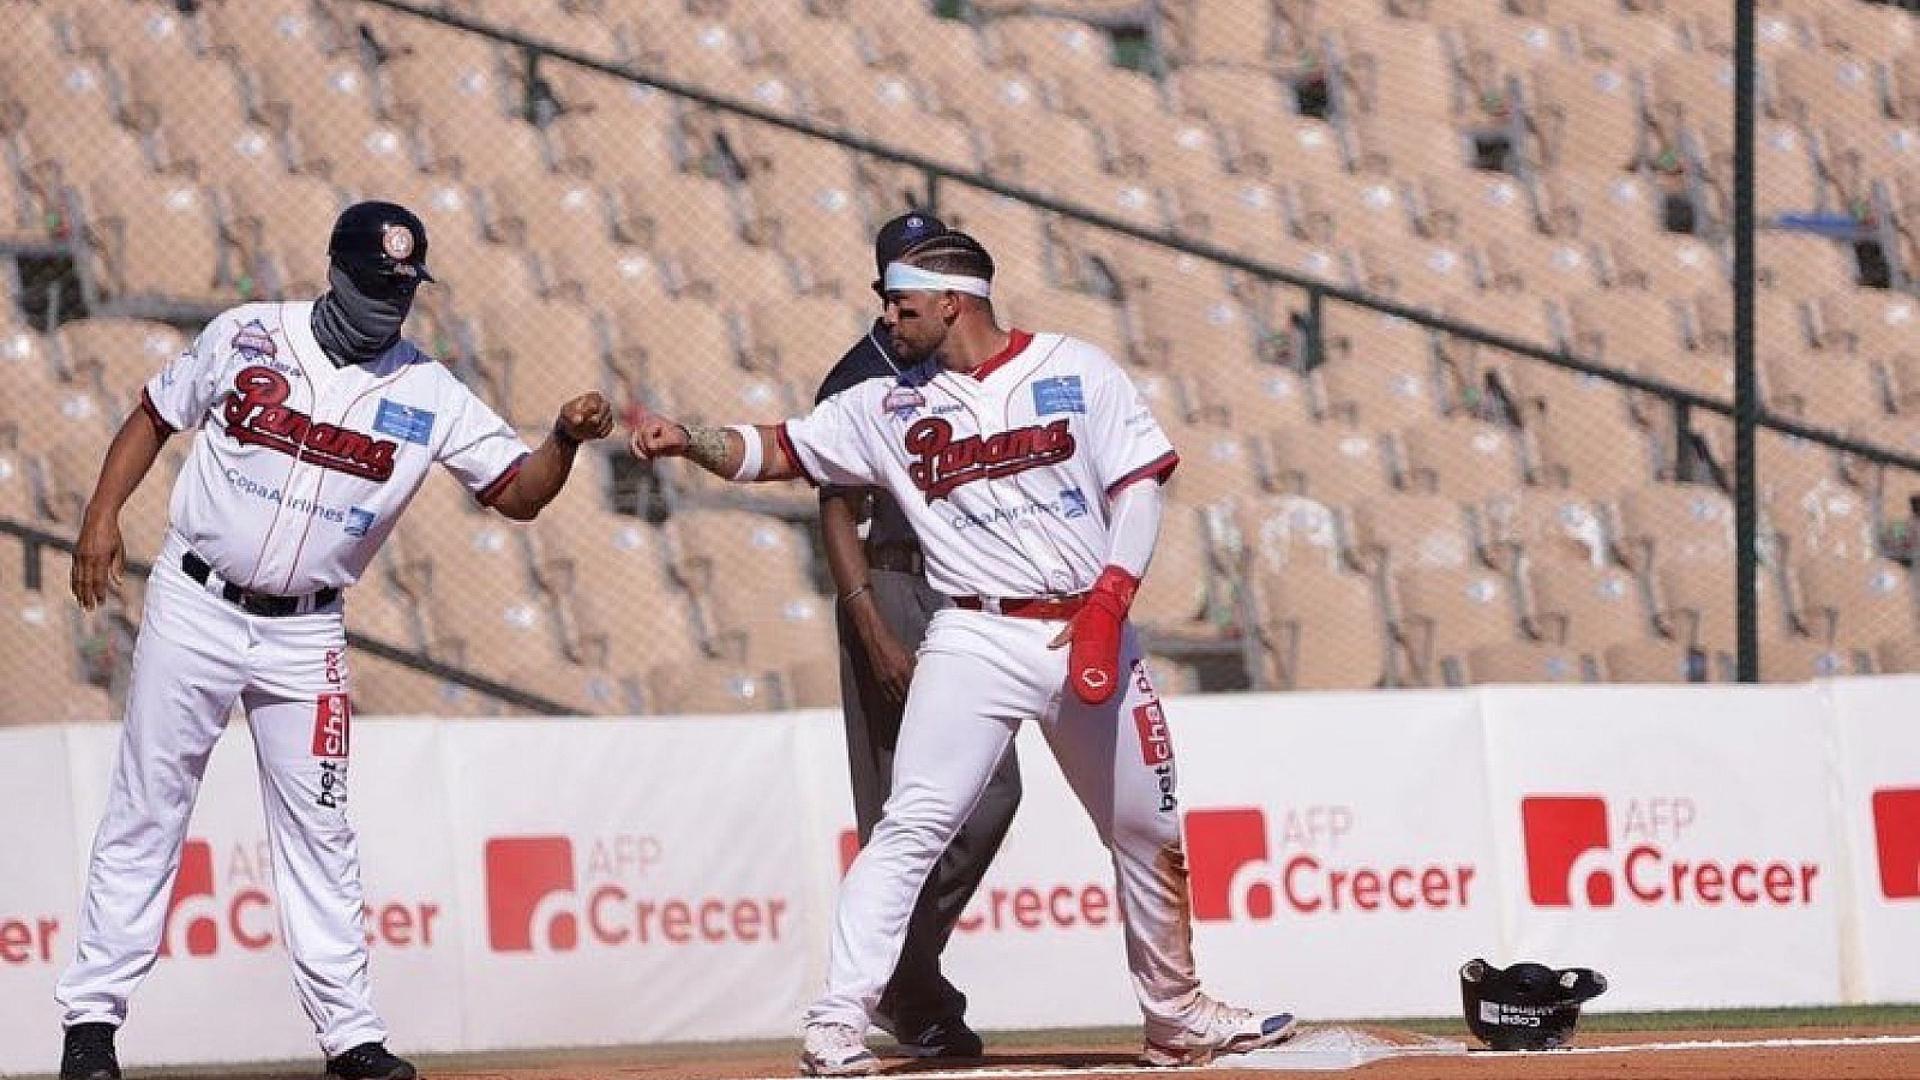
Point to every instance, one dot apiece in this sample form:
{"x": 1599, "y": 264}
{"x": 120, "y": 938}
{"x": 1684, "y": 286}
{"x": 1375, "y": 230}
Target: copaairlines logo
{"x": 945, "y": 463}
{"x": 1239, "y": 875}
{"x": 1896, "y": 834}
{"x": 540, "y": 901}
{"x": 256, "y": 414}
{"x": 1576, "y": 859}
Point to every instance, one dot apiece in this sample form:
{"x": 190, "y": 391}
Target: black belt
{"x": 900, "y": 558}
{"x": 253, "y": 603}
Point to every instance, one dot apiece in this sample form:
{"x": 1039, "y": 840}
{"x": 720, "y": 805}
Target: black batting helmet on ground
{"x": 1527, "y": 1006}
{"x": 380, "y": 243}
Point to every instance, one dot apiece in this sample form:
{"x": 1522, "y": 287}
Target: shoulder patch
{"x": 1061, "y": 394}
{"x": 405, "y": 422}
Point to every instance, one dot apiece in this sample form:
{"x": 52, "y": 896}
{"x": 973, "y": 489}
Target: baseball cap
{"x": 902, "y": 233}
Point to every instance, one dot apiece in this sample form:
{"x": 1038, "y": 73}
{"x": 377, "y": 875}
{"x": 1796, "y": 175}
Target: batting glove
{"x": 1093, "y": 659}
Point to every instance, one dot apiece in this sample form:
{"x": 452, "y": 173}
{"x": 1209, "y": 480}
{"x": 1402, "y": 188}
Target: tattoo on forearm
{"x": 707, "y": 448}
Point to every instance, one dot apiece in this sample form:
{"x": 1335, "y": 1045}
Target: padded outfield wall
{"x": 550, "y": 883}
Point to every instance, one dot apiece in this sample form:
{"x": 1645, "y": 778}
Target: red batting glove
{"x": 1093, "y": 659}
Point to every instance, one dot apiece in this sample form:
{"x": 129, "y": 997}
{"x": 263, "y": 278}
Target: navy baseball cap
{"x": 902, "y": 233}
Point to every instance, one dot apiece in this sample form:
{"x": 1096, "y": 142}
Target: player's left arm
{"x": 544, "y": 472}
{"x": 1132, "y": 457}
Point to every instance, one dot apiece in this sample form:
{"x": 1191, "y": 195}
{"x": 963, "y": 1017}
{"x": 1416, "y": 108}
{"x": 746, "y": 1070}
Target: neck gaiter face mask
{"x": 354, "y": 326}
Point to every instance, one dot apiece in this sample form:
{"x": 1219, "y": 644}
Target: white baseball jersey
{"x": 302, "y": 468}
{"x": 1005, "y": 471}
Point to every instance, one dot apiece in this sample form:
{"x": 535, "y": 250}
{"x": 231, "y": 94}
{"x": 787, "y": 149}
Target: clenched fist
{"x": 655, "y": 436}
{"x": 585, "y": 418}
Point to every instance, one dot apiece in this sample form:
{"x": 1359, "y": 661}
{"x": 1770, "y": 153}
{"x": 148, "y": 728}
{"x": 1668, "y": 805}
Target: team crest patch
{"x": 253, "y": 342}
{"x": 396, "y": 241}
{"x": 902, "y": 401}
{"x": 404, "y": 422}
{"x": 1058, "y": 395}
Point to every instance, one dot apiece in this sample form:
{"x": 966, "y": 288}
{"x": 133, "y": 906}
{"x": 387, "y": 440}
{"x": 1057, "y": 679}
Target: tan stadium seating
{"x": 1522, "y": 662}
{"x": 1322, "y": 630}
{"x": 1439, "y": 614}
{"x": 1585, "y": 605}
{"x": 592, "y": 233}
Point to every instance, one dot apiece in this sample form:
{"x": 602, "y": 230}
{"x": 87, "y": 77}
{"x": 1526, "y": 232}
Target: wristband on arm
{"x": 752, "y": 458}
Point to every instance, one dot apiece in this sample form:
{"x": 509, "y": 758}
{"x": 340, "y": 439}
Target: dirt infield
{"x": 1798, "y": 1054}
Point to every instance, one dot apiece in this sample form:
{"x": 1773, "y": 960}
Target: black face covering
{"x": 354, "y": 326}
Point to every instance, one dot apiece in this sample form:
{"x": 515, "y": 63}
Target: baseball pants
{"x": 197, "y": 654}
{"x": 918, "y": 993}
{"x": 979, "y": 677}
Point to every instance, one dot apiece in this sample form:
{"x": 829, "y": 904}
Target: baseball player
{"x": 885, "y": 603}
{"x": 317, "y": 422}
{"x": 1030, "y": 468}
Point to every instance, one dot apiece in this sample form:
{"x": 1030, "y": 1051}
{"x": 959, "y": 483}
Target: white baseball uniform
{"x": 1007, "y": 474}
{"x": 299, "y": 472}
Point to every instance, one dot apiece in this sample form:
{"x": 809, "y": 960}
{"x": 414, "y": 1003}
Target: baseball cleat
{"x": 369, "y": 1061}
{"x": 88, "y": 1053}
{"x": 836, "y": 1050}
{"x": 1227, "y": 1030}
{"x": 950, "y": 1038}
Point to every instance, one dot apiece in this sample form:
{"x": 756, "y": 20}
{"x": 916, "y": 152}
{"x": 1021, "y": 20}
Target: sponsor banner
{"x": 1657, "y": 834}
{"x": 631, "y": 882}
{"x": 1879, "y": 751}
{"x": 1040, "y": 944}
{"x": 415, "y": 923}
{"x": 222, "y": 938}
{"x": 1340, "y": 850}
{"x": 39, "y": 892}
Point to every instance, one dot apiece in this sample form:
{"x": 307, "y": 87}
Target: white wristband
{"x": 751, "y": 459}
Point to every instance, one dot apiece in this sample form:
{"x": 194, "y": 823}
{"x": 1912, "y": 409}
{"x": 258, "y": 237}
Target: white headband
{"x": 902, "y": 277}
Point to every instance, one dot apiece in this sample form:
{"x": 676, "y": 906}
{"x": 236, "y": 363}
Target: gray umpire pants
{"x": 918, "y": 993}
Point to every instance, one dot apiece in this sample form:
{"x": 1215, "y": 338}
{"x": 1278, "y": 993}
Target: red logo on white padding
{"x": 1896, "y": 834}
{"x": 1579, "y": 855}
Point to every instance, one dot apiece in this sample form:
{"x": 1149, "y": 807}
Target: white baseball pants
{"x": 196, "y": 655}
{"x": 979, "y": 677}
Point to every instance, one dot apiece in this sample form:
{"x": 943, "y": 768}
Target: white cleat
{"x": 1227, "y": 1030}
{"x": 836, "y": 1050}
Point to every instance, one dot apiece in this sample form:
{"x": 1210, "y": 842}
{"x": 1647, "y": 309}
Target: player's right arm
{"x": 722, "y": 451}
{"x": 99, "y": 555}
{"x": 174, "y": 400}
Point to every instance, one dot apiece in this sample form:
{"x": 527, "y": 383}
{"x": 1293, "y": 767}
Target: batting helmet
{"x": 1527, "y": 1006}
{"x": 380, "y": 244}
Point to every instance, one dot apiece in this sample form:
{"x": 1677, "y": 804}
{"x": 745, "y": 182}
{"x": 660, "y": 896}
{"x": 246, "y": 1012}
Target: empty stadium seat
{"x": 1322, "y": 630}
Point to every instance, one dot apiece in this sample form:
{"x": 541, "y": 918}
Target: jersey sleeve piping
{"x": 1158, "y": 469}
{"x": 153, "y": 414}
{"x": 491, "y": 493}
{"x": 787, "y": 447}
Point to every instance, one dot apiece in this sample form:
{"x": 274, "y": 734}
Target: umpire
{"x": 885, "y": 603}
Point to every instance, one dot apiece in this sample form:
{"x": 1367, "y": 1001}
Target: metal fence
{"x": 1437, "y": 300}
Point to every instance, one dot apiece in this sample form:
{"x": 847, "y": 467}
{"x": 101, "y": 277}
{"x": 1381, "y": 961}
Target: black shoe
{"x": 88, "y": 1054}
{"x": 369, "y": 1061}
{"x": 949, "y": 1038}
